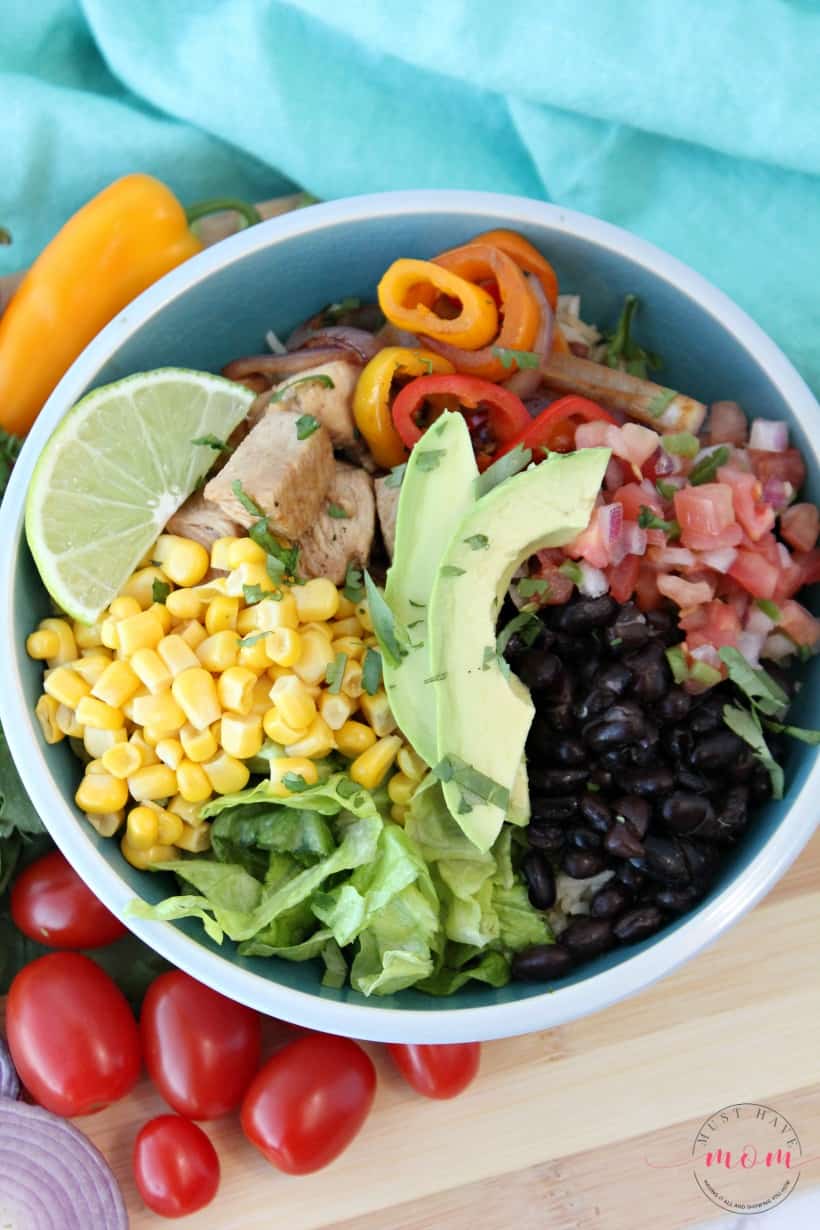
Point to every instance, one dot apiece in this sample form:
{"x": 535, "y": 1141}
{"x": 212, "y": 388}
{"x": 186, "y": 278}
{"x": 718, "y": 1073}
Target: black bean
{"x": 628, "y": 631}
{"x": 557, "y": 809}
{"x": 581, "y": 864}
{"x": 620, "y": 724}
{"x": 541, "y": 963}
{"x": 560, "y": 716}
{"x": 549, "y": 837}
{"x": 674, "y": 706}
{"x": 628, "y": 875}
{"x": 615, "y": 758}
{"x": 648, "y": 782}
{"x": 587, "y": 937}
{"x": 635, "y": 811}
{"x": 645, "y": 750}
{"x": 708, "y": 716}
{"x": 732, "y": 817}
{"x": 760, "y": 784}
{"x": 568, "y": 751}
{"x": 717, "y": 751}
{"x": 583, "y": 838}
{"x": 589, "y": 668}
{"x": 663, "y": 624}
{"x": 621, "y": 842}
{"x": 638, "y": 924}
{"x": 614, "y": 678}
{"x": 587, "y": 613}
{"x": 610, "y": 900}
{"x": 602, "y": 777}
{"x": 744, "y": 765}
{"x": 664, "y": 860}
{"x": 651, "y": 672}
{"x": 593, "y": 704}
{"x": 688, "y": 779}
{"x": 702, "y": 860}
{"x": 517, "y": 646}
{"x": 574, "y": 649}
{"x": 596, "y": 812}
{"x": 539, "y": 878}
{"x": 556, "y": 781}
{"x": 541, "y": 739}
{"x": 676, "y": 899}
{"x": 684, "y": 812}
{"x": 678, "y": 743}
{"x": 538, "y": 670}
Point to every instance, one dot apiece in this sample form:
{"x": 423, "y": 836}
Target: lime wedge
{"x": 118, "y": 466}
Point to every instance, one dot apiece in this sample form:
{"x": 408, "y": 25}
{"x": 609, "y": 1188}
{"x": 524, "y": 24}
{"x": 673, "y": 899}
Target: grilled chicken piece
{"x": 332, "y": 407}
{"x": 333, "y": 543}
{"x": 286, "y": 477}
{"x": 202, "y": 521}
{"x": 387, "y": 506}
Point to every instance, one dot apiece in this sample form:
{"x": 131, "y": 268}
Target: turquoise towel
{"x": 695, "y": 125}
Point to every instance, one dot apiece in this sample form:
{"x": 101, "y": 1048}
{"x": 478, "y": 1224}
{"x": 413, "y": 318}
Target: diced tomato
{"x": 800, "y": 525}
{"x": 767, "y": 546}
{"x": 809, "y": 564}
{"x": 799, "y": 624}
{"x": 788, "y": 466}
{"x": 633, "y": 498}
{"x": 647, "y": 595}
{"x": 685, "y": 593}
{"x": 727, "y": 423}
{"x": 730, "y": 537}
{"x": 756, "y": 517}
{"x": 560, "y": 587}
{"x": 590, "y": 545}
{"x": 623, "y": 577}
{"x": 705, "y": 511}
{"x": 716, "y": 623}
{"x": 755, "y": 573}
{"x": 671, "y": 556}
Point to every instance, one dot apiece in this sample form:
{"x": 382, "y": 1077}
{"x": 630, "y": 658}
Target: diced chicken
{"x": 387, "y": 506}
{"x": 203, "y": 521}
{"x": 335, "y": 541}
{"x": 333, "y": 407}
{"x": 286, "y": 477}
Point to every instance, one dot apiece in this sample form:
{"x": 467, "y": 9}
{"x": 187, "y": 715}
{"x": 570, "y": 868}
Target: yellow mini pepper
{"x": 371, "y": 401}
{"x": 409, "y": 289}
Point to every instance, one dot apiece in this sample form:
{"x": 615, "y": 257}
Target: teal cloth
{"x": 696, "y": 125}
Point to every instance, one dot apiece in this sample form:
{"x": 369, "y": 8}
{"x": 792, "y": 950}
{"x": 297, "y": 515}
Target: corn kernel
{"x": 67, "y": 645}
{"x": 283, "y": 646}
{"x": 235, "y": 689}
{"x": 363, "y": 615}
{"x": 182, "y": 559}
{"x": 245, "y": 551}
{"x": 160, "y": 612}
{"x": 160, "y": 712}
{"x": 140, "y": 585}
{"x": 123, "y": 607}
{"x": 66, "y": 720}
{"x": 142, "y": 631}
{"x": 241, "y": 736}
{"x": 192, "y": 633}
{"x": 316, "y": 600}
{"x": 107, "y": 823}
{"x": 144, "y": 748}
{"x": 219, "y": 553}
{"x": 116, "y": 684}
{"x": 298, "y": 766}
{"x": 195, "y": 692}
{"x": 177, "y": 654}
{"x": 97, "y": 741}
{"x": 336, "y": 709}
{"x": 193, "y": 782}
{"x": 100, "y": 792}
{"x": 351, "y": 646}
{"x": 352, "y": 679}
{"x": 150, "y": 669}
{"x": 246, "y": 620}
{"x": 219, "y": 651}
{"x": 346, "y": 607}
{"x": 87, "y": 636}
{"x": 92, "y": 666}
{"x": 43, "y": 644}
{"x": 267, "y": 615}
{"x": 188, "y": 812}
{"x": 92, "y": 766}
{"x": 346, "y": 627}
{"x": 170, "y": 828}
{"x": 142, "y": 828}
{"x": 66, "y": 686}
{"x": 376, "y": 709}
{"x": 46, "y": 713}
{"x": 369, "y": 768}
{"x": 221, "y": 615}
{"x": 400, "y": 789}
{"x": 122, "y": 759}
{"x": 153, "y": 781}
{"x": 354, "y": 738}
{"x": 93, "y": 712}
{"x": 109, "y": 633}
{"x": 260, "y": 696}
{"x": 294, "y": 703}
{"x": 254, "y": 657}
{"x": 226, "y": 774}
{"x": 170, "y": 752}
{"x": 316, "y": 742}
{"x": 143, "y": 859}
{"x": 198, "y": 745}
{"x": 315, "y": 658}
{"x": 184, "y": 604}
{"x": 277, "y": 729}
{"x": 194, "y": 839}
{"x": 398, "y": 813}
{"x": 411, "y": 764}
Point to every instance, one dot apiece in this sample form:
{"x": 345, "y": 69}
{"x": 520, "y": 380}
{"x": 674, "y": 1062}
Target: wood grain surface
{"x": 586, "y": 1127}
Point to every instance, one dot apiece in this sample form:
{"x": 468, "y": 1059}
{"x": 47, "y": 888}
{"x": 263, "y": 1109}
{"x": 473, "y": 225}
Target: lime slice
{"x": 118, "y": 466}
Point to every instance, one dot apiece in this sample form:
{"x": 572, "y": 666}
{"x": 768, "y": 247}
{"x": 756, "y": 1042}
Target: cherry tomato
{"x": 201, "y": 1049}
{"x": 437, "y": 1071}
{"x": 308, "y": 1102}
{"x": 175, "y": 1166}
{"x": 71, "y": 1035}
{"x": 51, "y": 904}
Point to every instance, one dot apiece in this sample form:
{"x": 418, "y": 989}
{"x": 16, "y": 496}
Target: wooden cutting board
{"x": 586, "y": 1127}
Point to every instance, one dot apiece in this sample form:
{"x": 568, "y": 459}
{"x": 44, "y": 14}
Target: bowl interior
{"x": 227, "y": 313}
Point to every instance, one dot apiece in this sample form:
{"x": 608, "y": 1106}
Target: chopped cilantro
{"x": 294, "y": 782}
{"x": 708, "y": 466}
{"x": 472, "y": 781}
{"x": 247, "y": 641}
{"x": 337, "y": 512}
{"x": 516, "y": 459}
{"x": 649, "y": 520}
{"x": 428, "y": 459}
{"x": 353, "y": 584}
{"x": 320, "y": 378}
{"x": 524, "y": 360}
{"x": 770, "y": 609}
{"x": 371, "y": 672}
{"x": 385, "y": 625}
{"x": 623, "y": 351}
{"x": 665, "y": 490}
{"x": 451, "y": 570}
{"x": 526, "y": 624}
{"x": 477, "y": 542}
{"x": 159, "y": 591}
{"x": 490, "y": 656}
{"x": 253, "y": 594}
{"x": 214, "y": 442}
{"x": 436, "y": 678}
{"x": 661, "y": 400}
{"x": 394, "y": 478}
{"x": 306, "y": 424}
{"x": 245, "y": 500}
{"x": 570, "y": 569}
{"x": 531, "y": 587}
{"x": 746, "y": 724}
{"x": 335, "y": 673}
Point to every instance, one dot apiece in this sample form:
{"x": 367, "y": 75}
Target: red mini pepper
{"x": 554, "y": 428}
{"x": 495, "y": 415}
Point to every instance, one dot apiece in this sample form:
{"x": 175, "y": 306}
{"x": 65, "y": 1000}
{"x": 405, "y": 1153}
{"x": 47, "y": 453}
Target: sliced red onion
{"x": 778, "y": 646}
{"x": 633, "y": 538}
{"x": 593, "y": 583}
{"x": 758, "y": 622}
{"x": 610, "y": 522}
{"x": 9, "y": 1080}
{"x": 51, "y": 1176}
{"x": 280, "y": 366}
{"x": 361, "y": 343}
{"x": 706, "y": 653}
{"x": 676, "y": 557}
{"x": 526, "y": 382}
{"x": 720, "y": 560}
{"x": 667, "y": 463}
{"x": 615, "y": 476}
{"x": 277, "y": 346}
{"x": 770, "y": 435}
{"x": 785, "y": 559}
{"x": 777, "y": 493}
{"x": 750, "y": 645}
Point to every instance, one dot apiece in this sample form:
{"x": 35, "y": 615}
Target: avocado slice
{"x": 436, "y": 492}
{"x": 483, "y": 712}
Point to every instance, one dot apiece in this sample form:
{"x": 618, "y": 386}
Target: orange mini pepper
{"x": 371, "y": 400}
{"x": 409, "y": 289}
{"x": 526, "y": 257}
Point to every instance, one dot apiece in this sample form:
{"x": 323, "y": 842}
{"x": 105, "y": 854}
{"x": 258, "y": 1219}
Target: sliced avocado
{"x": 483, "y": 711}
{"x": 436, "y": 492}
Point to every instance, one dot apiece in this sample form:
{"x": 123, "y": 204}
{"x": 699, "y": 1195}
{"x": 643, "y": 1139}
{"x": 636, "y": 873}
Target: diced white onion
{"x": 275, "y": 343}
{"x": 720, "y": 560}
{"x": 778, "y": 646}
{"x": 770, "y": 435}
{"x": 593, "y": 583}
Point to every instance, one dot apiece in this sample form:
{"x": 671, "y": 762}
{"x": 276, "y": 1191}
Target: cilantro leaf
{"x": 353, "y": 584}
{"x": 746, "y": 724}
{"x": 337, "y": 512}
{"x": 708, "y": 466}
{"x": 660, "y": 401}
{"x": 335, "y": 673}
{"x": 371, "y": 672}
{"x": 214, "y": 442}
{"x": 320, "y": 378}
{"x": 530, "y": 587}
{"x": 294, "y": 782}
{"x": 9, "y": 451}
{"x": 386, "y": 627}
{"x": 516, "y": 459}
{"x": 428, "y": 459}
{"x": 526, "y": 624}
{"x": 394, "y": 478}
{"x": 245, "y": 500}
{"x": 570, "y": 569}
{"x": 159, "y": 591}
{"x": 756, "y": 683}
{"x": 451, "y": 570}
{"x": 649, "y": 520}
{"x": 812, "y": 737}
{"x": 253, "y": 594}
{"x": 477, "y": 542}
{"x": 524, "y": 360}
{"x": 622, "y": 349}
{"x": 306, "y": 424}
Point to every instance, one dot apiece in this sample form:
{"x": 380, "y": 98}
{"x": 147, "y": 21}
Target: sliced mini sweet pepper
{"x": 526, "y": 257}
{"x": 371, "y": 400}
{"x": 408, "y": 293}
{"x": 553, "y": 430}
{"x": 495, "y": 415}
